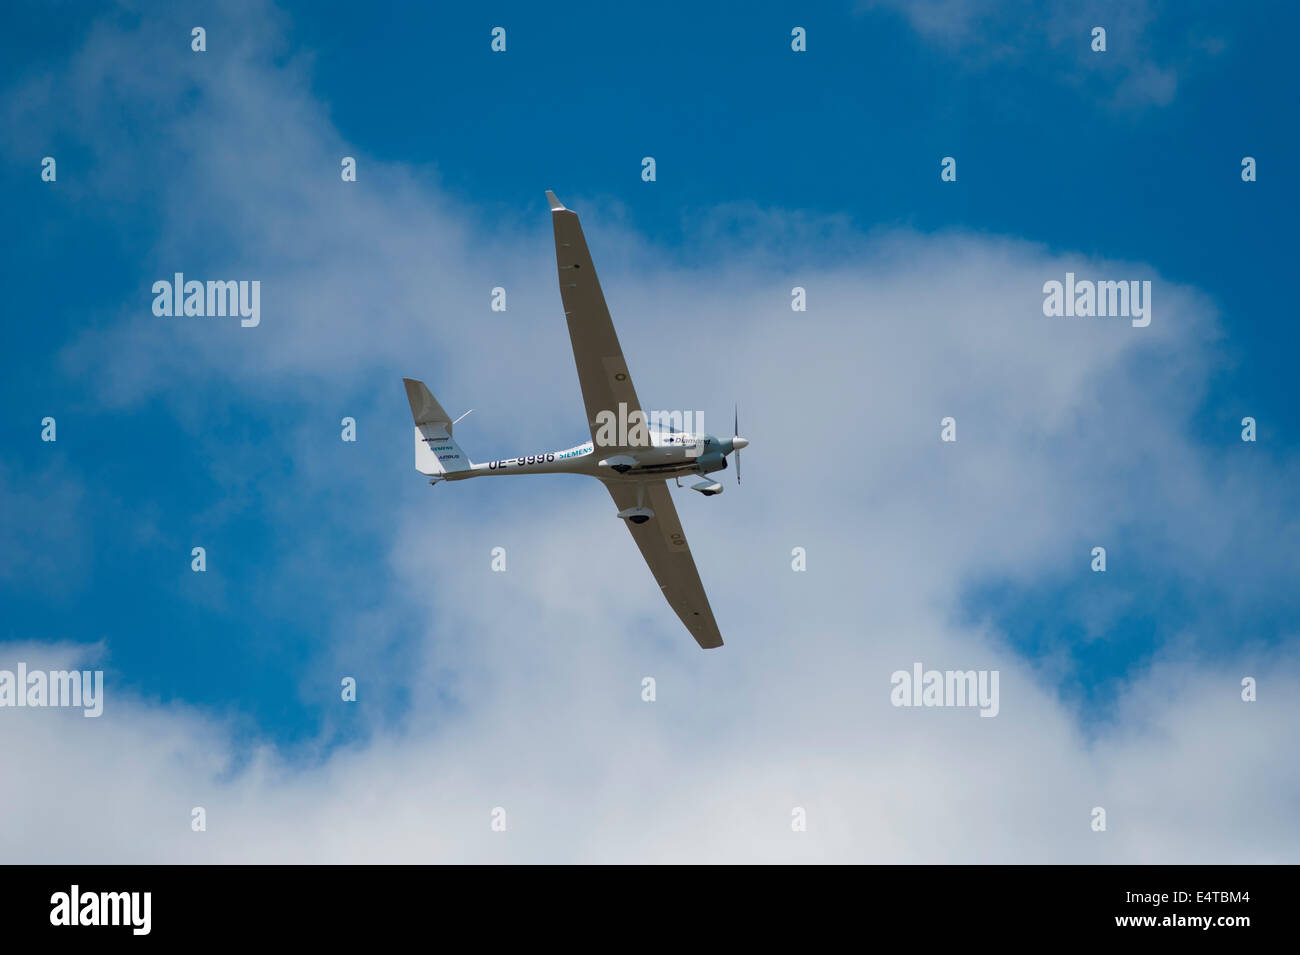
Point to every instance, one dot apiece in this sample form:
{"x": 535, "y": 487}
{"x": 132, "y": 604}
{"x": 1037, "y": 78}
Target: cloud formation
{"x": 1140, "y": 67}
{"x": 523, "y": 688}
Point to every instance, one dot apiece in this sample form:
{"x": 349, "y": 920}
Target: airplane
{"x": 634, "y": 460}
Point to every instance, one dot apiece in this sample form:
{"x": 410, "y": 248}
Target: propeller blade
{"x": 735, "y": 432}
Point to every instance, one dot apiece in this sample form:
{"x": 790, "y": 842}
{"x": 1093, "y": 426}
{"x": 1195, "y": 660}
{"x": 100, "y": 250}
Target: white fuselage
{"x": 670, "y": 454}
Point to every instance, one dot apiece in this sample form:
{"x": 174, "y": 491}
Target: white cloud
{"x": 1139, "y": 68}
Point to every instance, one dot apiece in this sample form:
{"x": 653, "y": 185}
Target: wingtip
{"x": 556, "y": 204}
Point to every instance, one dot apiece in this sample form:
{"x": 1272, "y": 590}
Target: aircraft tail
{"x": 436, "y": 452}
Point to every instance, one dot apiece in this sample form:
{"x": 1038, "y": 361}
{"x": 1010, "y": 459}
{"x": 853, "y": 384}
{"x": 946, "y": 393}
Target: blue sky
{"x": 769, "y": 164}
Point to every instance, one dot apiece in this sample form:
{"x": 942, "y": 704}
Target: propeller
{"x": 737, "y": 442}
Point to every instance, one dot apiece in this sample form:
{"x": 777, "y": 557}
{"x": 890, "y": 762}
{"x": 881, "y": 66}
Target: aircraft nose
{"x": 738, "y": 442}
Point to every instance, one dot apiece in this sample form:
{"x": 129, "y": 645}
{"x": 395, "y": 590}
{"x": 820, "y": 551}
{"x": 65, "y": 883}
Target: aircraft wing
{"x": 664, "y": 547}
{"x": 602, "y": 372}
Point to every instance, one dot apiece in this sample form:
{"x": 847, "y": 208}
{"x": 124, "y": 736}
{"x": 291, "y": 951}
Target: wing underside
{"x": 602, "y": 372}
{"x": 607, "y": 387}
{"x": 664, "y": 547}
